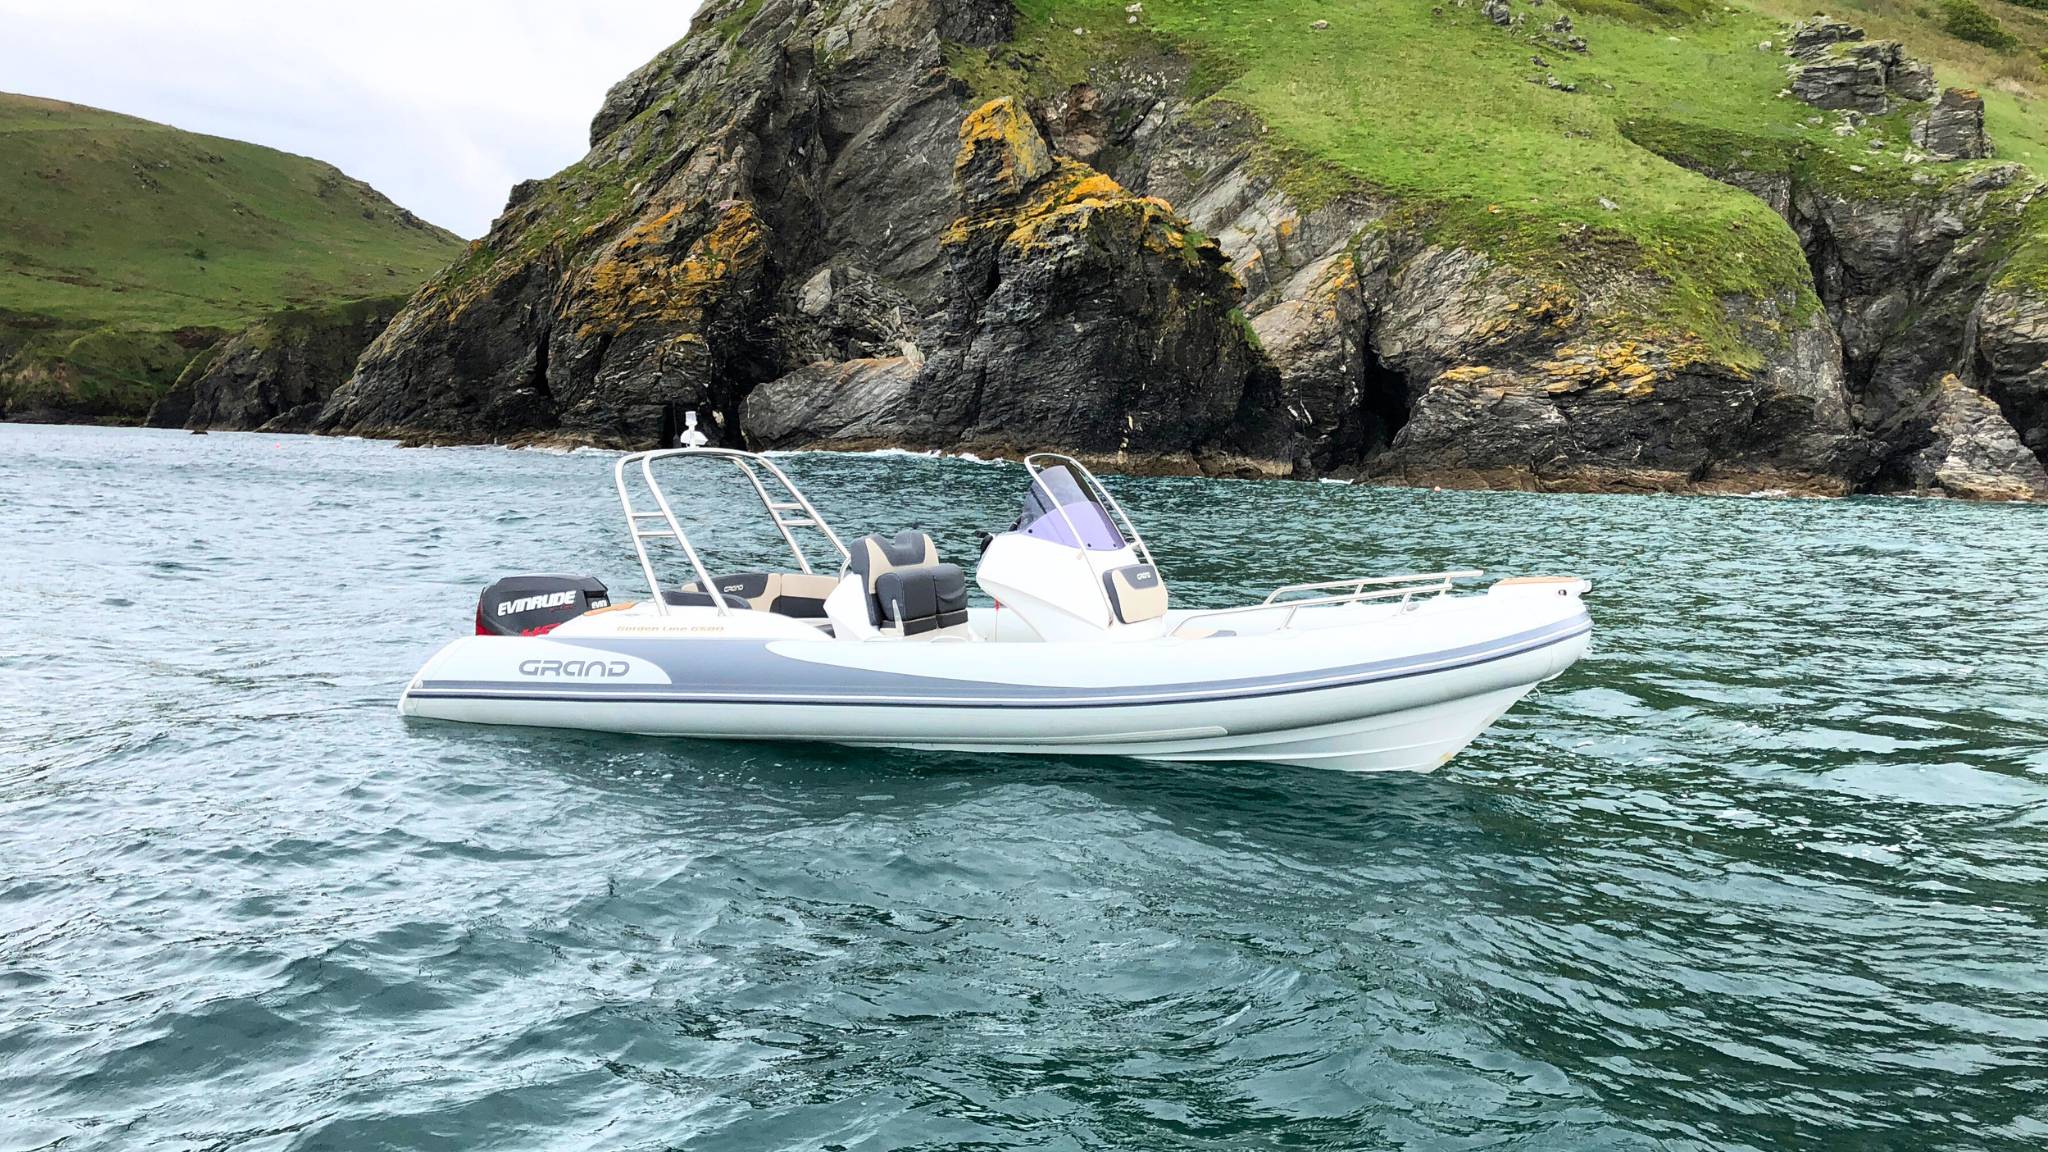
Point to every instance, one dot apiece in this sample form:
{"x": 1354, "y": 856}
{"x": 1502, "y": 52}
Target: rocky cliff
{"x": 276, "y": 374}
{"x": 1136, "y": 235}
{"x": 678, "y": 265}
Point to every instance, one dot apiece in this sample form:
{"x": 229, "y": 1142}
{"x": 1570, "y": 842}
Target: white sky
{"x": 440, "y": 104}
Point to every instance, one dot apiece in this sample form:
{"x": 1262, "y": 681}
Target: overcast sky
{"x": 441, "y": 104}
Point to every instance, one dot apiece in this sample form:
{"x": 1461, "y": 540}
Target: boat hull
{"x": 1370, "y": 694}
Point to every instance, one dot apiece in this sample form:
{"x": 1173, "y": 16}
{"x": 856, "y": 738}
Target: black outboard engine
{"x": 536, "y": 605}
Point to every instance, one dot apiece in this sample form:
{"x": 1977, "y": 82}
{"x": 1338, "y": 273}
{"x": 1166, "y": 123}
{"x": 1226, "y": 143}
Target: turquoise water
{"x": 1768, "y": 870}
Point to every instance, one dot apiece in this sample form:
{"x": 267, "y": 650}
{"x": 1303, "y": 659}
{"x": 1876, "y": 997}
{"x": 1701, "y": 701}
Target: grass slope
{"x": 1429, "y": 101}
{"x": 126, "y": 245}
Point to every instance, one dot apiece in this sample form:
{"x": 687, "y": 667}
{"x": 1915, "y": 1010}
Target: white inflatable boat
{"x": 1081, "y": 654}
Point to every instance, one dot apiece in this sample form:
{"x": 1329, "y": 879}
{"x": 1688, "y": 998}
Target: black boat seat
{"x": 922, "y": 600}
{"x": 688, "y": 596}
{"x": 909, "y": 593}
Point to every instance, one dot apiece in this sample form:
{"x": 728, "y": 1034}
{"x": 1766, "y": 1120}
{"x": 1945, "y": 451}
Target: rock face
{"x": 664, "y": 270}
{"x": 2010, "y": 361}
{"x": 800, "y": 224}
{"x": 1080, "y": 314}
{"x": 1834, "y": 67}
{"x": 277, "y": 374}
{"x": 1970, "y": 450}
{"x": 1406, "y": 360}
{"x": 858, "y": 403}
{"x": 780, "y": 217}
{"x": 1507, "y": 400}
{"x": 1907, "y": 284}
{"x": 1954, "y": 128}
{"x": 1813, "y": 39}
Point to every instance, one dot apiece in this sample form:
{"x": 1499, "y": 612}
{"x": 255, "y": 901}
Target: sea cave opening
{"x": 1383, "y": 403}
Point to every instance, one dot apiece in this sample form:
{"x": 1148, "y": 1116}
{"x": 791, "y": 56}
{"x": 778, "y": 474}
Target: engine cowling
{"x": 536, "y": 605}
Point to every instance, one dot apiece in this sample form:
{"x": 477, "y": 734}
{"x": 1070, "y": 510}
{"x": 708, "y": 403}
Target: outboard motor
{"x": 536, "y": 605}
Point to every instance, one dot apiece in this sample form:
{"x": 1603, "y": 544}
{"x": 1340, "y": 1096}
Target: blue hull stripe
{"x": 982, "y": 695}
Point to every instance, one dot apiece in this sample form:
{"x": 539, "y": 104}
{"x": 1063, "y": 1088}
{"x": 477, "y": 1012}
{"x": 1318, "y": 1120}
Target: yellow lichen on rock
{"x": 1073, "y": 184}
{"x": 637, "y": 280}
{"x": 1554, "y": 302}
{"x": 1628, "y": 367}
{"x": 1343, "y": 275}
{"x": 1001, "y": 152}
{"x": 735, "y": 238}
{"x": 1692, "y": 352}
{"x": 1013, "y": 187}
{"x": 1098, "y": 188}
{"x": 1063, "y": 201}
{"x": 1077, "y": 198}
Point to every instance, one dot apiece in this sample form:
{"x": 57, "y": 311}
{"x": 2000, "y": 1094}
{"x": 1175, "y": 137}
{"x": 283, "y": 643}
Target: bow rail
{"x": 1322, "y": 594}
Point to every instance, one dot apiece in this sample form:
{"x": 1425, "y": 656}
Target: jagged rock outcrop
{"x": 2010, "y": 357}
{"x": 1954, "y": 128}
{"x": 1080, "y": 314}
{"x": 1316, "y": 336}
{"x": 1969, "y": 449}
{"x": 1834, "y": 67}
{"x": 1900, "y": 277}
{"x": 854, "y": 404}
{"x": 1524, "y": 390}
{"x": 1813, "y": 39}
{"x": 781, "y": 137}
{"x": 276, "y": 374}
{"x": 1905, "y": 274}
{"x": 1002, "y": 158}
{"x": 1381, "y": 339}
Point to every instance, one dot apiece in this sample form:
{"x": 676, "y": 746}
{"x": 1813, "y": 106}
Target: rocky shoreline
{"x": 801, "y": 222}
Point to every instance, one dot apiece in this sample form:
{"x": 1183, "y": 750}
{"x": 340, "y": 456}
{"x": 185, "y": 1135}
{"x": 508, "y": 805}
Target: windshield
{"x": 1048, "y": 518}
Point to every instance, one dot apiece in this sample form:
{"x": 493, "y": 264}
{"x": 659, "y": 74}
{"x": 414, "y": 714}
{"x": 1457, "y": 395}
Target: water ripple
{"x": 1766, "y": 871}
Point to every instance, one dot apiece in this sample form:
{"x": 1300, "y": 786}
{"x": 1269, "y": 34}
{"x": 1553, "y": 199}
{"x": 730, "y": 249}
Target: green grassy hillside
{"x": 1552, "y": 159}
{"x": 127, "y": 246}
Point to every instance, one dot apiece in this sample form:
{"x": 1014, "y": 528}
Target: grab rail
{"x": 1362, "y": 588}
{"x": 1101, "y": 494}
{"x": 1359, "y": 583}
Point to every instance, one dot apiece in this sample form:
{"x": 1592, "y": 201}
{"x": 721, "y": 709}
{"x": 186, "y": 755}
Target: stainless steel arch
{"x": 751, "y": 465}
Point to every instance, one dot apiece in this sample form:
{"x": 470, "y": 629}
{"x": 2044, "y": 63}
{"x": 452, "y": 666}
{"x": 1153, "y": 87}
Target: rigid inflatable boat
{"x": 1081, "y": 653}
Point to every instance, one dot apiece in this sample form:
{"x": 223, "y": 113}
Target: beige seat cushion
{"x": 808, "y": 585}
{"x": 1136, "y": 593}
{"x": 775, "y": 591}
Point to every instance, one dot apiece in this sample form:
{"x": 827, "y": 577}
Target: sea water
{"x": 1769, "y": 869}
